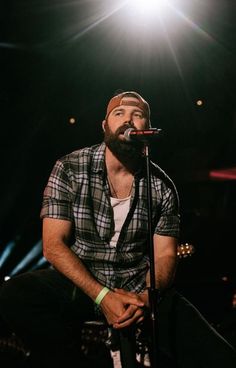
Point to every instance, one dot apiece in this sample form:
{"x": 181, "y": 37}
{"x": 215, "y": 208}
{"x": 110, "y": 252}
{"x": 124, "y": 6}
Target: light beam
{"x": 33, "y": 253}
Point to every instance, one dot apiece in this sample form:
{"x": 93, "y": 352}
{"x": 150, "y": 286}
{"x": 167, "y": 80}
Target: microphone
{"x": 132, "y": 134}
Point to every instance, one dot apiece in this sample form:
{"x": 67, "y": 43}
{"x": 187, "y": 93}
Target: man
{"x": 95, "y": 235}
{"x": 118, "y": 168}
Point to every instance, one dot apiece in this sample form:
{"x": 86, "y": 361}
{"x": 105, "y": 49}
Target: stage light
{"x": 147, "y": 7}
{"x": 152, "y": 22}
{"x": 72, "y": 120}
{"x": 225, "y": 278}
{"x": 199, "y": 102}
{"x": 146, "y": 12}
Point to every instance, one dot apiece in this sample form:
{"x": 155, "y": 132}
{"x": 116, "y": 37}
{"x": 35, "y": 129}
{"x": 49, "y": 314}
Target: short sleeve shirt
{"x": 77, "y": 190}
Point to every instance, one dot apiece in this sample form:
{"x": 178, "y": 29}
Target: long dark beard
{"x": 126, "y": 152}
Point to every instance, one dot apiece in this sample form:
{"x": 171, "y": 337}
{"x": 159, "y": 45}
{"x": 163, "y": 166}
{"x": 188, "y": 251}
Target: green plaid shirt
{"x": 78, "y": 191}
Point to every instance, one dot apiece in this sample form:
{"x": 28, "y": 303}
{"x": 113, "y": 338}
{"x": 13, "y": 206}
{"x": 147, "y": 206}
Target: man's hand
{"x": 122, "y": 308}
{"x": 128, "y": 309}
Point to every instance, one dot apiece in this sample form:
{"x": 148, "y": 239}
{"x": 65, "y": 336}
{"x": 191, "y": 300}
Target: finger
{"x": 129, "y": 298}
{"x": 119, "y": 326}
{"x": 135, "y": 300}
{"x": 133, "y": 315}
{"x": 129, "y": 313}
{"x": 128, "y": 322}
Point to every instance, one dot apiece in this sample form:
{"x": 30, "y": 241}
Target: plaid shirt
{"x": 78, "y": 191}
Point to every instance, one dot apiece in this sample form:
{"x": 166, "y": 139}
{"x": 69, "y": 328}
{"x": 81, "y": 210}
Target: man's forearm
{"x": 66, "y": 262}
{"x": 165, "y": 268}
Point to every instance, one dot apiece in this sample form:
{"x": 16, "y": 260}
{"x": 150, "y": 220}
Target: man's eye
{"x": 137, "y": 115}
{"x": 117, "y": 113}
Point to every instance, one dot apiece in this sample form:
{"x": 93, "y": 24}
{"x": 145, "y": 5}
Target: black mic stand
{"x": 153, "y": 293}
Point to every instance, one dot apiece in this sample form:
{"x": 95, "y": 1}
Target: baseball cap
{"x": 118, "y": 101}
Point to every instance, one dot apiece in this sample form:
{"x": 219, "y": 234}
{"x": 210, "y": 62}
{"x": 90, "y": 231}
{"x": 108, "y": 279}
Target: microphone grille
{"x": 127, "y": 134}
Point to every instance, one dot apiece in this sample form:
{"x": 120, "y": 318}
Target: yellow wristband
{"x": 101, "y": 295}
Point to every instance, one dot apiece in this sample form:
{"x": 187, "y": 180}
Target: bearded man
{"x": 95, "y": 237}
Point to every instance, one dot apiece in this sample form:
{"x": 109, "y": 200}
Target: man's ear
{"x": 103, "y": 125}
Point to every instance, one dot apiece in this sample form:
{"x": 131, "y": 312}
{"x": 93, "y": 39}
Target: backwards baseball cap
{"x": 118, "y": 101}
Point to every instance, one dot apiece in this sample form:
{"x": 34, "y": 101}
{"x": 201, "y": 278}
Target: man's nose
{"x": 129, "y": 122}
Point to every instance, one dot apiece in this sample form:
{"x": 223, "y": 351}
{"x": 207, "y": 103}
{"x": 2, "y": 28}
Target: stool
{"x": 128, "y": 348}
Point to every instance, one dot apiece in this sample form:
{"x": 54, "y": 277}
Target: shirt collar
{"x": 98, "y": 160}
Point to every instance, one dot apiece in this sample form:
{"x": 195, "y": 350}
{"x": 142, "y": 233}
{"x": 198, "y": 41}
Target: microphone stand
{"x": 153, "y": 293}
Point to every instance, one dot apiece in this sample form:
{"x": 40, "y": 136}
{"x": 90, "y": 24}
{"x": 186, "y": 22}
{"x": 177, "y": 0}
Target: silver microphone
{"x": 132, "y": 134}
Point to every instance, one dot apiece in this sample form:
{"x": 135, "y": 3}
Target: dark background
{"x": 62, "y": 59}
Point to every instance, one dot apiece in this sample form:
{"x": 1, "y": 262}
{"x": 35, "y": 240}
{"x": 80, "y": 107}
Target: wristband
{"x": 101, "y": 295}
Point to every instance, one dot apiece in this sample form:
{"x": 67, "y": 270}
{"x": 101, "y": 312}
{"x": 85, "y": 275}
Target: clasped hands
{"x": 123, "y": 308}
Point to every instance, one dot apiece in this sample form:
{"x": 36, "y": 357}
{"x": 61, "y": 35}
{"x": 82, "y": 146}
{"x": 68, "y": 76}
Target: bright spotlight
{"x": 147, "y": 7}
{"x": 146, "y": 15}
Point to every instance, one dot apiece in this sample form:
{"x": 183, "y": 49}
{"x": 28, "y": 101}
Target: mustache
{"x": 123, "y": 128}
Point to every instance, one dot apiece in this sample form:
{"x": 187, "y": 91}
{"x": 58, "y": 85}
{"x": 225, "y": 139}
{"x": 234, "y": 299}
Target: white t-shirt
{"x": 120, "y": 209}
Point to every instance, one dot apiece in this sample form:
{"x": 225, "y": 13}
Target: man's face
{"x": 120, "y": 119}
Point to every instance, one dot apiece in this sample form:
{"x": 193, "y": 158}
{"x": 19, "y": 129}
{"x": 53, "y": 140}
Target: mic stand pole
{"x": 152, "y": 291}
